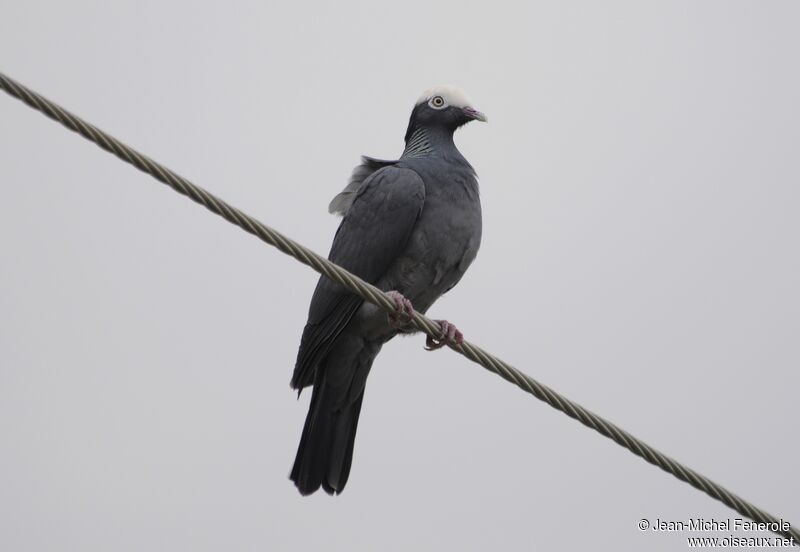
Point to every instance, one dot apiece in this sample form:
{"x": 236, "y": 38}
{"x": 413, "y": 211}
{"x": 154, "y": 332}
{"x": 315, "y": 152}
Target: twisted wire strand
{"x": 381, "y": 299}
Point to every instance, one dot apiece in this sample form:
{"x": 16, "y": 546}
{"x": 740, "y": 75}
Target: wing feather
{"x": 373, "y": 233}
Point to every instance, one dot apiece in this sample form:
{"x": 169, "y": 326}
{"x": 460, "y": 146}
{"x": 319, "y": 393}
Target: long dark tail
{"x": 326, "y": 447}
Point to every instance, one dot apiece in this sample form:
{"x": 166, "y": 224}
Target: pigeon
{"x": 411, "y": 227}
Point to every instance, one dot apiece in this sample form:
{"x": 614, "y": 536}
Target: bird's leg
{"x": 401, "y": 320}
{"x": 450, "y": 336}
{"x": 405, "y": 311}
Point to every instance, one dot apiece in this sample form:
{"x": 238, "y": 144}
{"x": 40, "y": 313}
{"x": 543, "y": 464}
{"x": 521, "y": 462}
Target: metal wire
{"x": 379, "y": 298}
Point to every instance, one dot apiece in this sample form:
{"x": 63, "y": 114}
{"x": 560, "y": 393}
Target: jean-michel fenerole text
{"x": 735, "y": 524}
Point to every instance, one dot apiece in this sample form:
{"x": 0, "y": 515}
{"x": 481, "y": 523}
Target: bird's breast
{"x": 443, "y": 244}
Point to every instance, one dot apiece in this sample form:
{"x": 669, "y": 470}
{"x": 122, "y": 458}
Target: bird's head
{"x": 443, "y": 108}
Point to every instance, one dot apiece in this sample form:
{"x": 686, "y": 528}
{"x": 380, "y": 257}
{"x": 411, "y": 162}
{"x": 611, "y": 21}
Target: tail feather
{"x": 341, "y": 456}
{"x": 325, "y": 452}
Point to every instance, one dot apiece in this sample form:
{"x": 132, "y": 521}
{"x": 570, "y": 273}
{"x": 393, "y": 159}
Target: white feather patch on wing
{"x": 344, "y": 199}
{"x": 451, "y": 93}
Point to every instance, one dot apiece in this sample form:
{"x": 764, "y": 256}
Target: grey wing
{"x": 373, "y": 233}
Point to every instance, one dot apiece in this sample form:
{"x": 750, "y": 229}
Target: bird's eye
{"x": 437, "y": 102}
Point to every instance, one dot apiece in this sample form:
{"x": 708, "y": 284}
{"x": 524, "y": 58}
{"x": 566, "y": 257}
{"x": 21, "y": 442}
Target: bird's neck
{"x": 424, "y": 141}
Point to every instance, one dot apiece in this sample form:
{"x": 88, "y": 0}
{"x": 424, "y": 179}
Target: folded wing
{"x": 374, "y": 232}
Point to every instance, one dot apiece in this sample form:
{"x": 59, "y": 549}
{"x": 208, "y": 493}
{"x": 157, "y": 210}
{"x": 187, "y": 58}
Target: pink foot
{"x": 450, "y": 336}
{"x": 405, "y": 311}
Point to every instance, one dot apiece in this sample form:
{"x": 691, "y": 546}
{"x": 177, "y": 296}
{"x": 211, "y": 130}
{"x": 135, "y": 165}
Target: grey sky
{"x": 640, "y": 186}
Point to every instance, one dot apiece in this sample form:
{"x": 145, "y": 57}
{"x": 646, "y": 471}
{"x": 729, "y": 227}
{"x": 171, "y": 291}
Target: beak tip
{"x": 476, "y": 115}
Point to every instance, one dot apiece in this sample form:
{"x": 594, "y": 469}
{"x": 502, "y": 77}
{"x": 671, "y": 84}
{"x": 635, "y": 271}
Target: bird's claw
{"x": 404, "y": 310}
{"x": 450, "y": 336}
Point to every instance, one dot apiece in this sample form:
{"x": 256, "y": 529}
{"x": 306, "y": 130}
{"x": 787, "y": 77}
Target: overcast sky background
{"x": 640, "y": 183}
